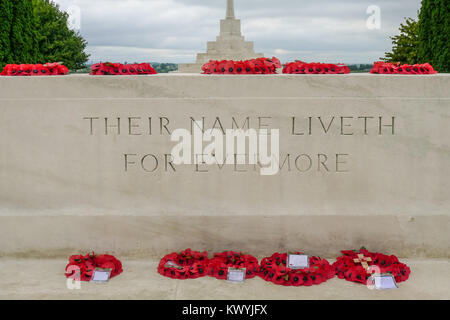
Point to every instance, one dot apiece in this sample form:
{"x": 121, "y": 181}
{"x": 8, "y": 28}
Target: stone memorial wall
{"x": 86, "y": 164}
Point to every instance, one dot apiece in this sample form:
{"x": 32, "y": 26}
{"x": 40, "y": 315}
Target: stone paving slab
{"x": 44, "y": 279}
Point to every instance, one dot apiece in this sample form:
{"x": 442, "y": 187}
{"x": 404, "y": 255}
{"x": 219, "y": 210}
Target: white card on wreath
{"x": 298, "y": 261}
{"x": 236, "y": 275}
{"x": 385, "y": 282}
{"x": 171, "y": 264}
{"x": 101, "y": 275}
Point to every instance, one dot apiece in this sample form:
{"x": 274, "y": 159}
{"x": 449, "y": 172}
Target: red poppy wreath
{"x": 274, "y": 269}
{"x": 82, "y": 267}
{"x": 108, "y": 68}
{"x": 48, "y": 69}
{"x": 358, "y": 266}
{"x": 381, "y": 67}
{"x": 254, "y": 66}
{"x": 219, "y": 265}
{"x": 184, "y": 265}
{"x": 300, "y": 67}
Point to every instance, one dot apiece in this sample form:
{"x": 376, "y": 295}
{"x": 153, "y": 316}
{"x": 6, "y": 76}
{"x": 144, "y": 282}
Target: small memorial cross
{"x": 363, "y": 260}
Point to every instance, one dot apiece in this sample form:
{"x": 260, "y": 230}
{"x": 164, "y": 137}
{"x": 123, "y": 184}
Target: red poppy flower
{"x": 9, "y": 70}
{"x": 54, "y": 68}
{"x": 250, "y": 66}
{"x": 62, "y": 70}
{"x": 95, "y": 69}
{"x": 229, "y": 67}
{"x": 276, "y": 62}
{"x": 259, "y": 67}
{"x": 109, "y": 262}
{"x": 208, "y": 67}
{"x": 288, "y": 68}
{"x": 240, "y": 68}
{"x": 343, "y": 69}
{"x": 310, "y": 69}
{"x": 428, "y": 68}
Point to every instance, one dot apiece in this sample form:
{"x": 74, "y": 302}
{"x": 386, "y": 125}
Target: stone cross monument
{"x": 229, "y": 45}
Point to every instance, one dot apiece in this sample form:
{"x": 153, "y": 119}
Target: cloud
{"x": 175, "y": 30}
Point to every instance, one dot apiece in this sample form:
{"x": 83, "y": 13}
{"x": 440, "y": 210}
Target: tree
{"x": 433, "y": 34}
{"x": 405, "y": 45}
{"x": 6, "y": 15}
{"x": 17, "y": 32}
{"x": 56, "y": 42}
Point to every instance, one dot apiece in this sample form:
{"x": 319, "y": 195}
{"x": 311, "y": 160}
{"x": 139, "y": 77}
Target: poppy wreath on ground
{"x": 300, "y": 67}
{"x": 24, "y": 70}
{"x": 184, "y": 265}
{"x": 219, "y": 265}
{"x": 254, "y": 66}
{"x": 274, "y": 269}
{"x": 349, "y": 266}
{"x": 381, "y": 67}
{"x": 108, "y": 68}
{"x": 86, "y": 265}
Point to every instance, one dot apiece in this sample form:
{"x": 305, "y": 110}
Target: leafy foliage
{"x": 6, "y": 15}
{"x": 164, "y": 67}
{"x": 433, "y": 34}
{"x": 18, "y": 37}
{"x": 405, "y": 45}
{"x": 57, "y": 43}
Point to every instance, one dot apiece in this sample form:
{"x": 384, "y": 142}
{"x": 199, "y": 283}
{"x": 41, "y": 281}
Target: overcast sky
{"x": 175, "y": 30}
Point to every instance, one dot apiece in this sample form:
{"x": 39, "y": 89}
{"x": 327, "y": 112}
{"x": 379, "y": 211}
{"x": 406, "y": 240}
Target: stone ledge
{"x": 429, "y": 280}
{"x": 186, "y": 86}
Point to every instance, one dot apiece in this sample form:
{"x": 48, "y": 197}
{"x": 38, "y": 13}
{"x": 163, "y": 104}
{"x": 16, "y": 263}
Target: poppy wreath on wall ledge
{"x": 274, "y": 269}
{"x": 300, "y": 67}
{"x": 254, "y": 66}
{"x": 351, "y": 267}
{"x": 219, "y": 265}
{"x": 24, "y": 70}
{"x": 184, "y": 265}
{"x": 381, "y": 67}
{"x": 86, "y": 265}
{"x": 108, "y": 68}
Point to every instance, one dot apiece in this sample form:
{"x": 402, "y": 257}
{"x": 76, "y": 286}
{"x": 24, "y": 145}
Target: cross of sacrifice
{"x": 363, "y": 260}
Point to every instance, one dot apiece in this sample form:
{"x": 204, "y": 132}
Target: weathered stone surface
{"x": 141, "y": 281}
{"x": 64, "y": 189}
